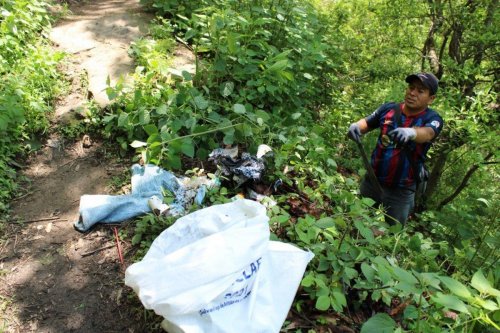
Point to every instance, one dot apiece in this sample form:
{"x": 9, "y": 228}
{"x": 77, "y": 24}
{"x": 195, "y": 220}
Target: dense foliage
{"x": 294, "y": 75}
{"x": 29, "y": 84}
{"x": 259, "y": 71}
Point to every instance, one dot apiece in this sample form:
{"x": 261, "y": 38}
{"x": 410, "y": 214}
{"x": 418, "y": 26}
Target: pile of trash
{"x": 242, "y": 169}
{"x": 150, "y": 181}
{"x": 214, "y": 270}
{"x": 148, "y": 184}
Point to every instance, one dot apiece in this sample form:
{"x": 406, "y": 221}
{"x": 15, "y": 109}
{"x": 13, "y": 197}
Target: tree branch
{"x": 463, "y": 184}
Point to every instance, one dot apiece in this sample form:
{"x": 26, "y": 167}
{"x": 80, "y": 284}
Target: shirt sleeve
{"x": 435, "y": 122}
{"x": 373, "y": 120}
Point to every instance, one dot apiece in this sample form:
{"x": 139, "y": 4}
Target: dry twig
{"x": 97, "y": 250}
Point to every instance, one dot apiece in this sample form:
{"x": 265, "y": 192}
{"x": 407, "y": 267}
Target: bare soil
{"x": 53, "y": 278}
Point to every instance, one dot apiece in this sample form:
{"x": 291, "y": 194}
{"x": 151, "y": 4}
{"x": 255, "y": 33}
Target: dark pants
{"x": 397, "y": 201}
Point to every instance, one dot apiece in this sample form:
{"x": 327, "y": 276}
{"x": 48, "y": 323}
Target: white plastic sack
{"x": 215, "y": 271}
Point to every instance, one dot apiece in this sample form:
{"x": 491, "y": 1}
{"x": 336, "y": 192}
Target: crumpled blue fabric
{"x": 147, "y": 181}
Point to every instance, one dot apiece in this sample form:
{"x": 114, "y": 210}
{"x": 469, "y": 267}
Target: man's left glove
{"x": 403, "y": 134}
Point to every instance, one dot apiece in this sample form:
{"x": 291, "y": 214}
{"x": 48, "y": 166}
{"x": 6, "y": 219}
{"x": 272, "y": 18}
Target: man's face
{"x": 417, "y": 96}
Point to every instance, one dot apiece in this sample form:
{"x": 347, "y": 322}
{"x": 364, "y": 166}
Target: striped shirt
{"x": 389, "y": 160}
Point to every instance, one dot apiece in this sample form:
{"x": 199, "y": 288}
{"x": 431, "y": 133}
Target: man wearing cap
{"x": 407, "y": 130}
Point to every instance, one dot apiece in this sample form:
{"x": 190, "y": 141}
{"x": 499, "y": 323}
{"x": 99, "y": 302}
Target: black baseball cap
{"x": 427, "y": 79}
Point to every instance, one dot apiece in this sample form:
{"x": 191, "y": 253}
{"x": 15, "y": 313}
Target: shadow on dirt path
{"x": 52, "y": 278}
{"x": 53, "y": 285}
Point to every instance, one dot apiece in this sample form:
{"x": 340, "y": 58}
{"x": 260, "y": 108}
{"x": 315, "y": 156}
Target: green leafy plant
{"x": 30, "y": 82}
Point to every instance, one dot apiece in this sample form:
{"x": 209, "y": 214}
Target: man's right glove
{"x": 354, "y": 132}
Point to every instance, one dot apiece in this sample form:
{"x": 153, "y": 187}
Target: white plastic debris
{"x": 215, "y": 271}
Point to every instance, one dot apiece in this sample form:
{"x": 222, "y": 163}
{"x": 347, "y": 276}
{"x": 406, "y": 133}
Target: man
{"x": 406, "y": 132}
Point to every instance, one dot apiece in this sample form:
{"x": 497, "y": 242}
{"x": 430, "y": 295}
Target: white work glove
{"x": 354, "y": 132}
{"x": 403, "y": 134}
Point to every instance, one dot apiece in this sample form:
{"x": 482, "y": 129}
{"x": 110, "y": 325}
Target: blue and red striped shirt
{"x": 389, "y": 160}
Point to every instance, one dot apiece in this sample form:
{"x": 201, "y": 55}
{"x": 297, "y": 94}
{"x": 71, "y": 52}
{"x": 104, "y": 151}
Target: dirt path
{"x": 48, "y": 280}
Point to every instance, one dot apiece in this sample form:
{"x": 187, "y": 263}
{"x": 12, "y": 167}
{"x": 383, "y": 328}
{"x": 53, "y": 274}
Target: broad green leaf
{"x": 137, "y": 144}
{"x": 190, "y": 34}
{"x": 281, "y": 219}
{"x": 144, "y": 117}
{"x": 123, "y": 119}
{"x": 154, "y": 138}
{"x": 282, "y": 56}
{"x": 456, "y": 287}
{"x": 367, "y": 201}
{"x": 486, "y": 304}
{"x": 278, "y": 66}
{"x": 381, "y": 265}
{"x": 429, "y": 279}
{"x": 364, "y": 231}
{"x": 350, "y": 273}
{"x": 376, "y": 295}
{"x": 368, "y": 271}
{"x": 450, "y": 302}
{"x": 384, "y": 275}
{"x": 338, "y": 300}
{"x": 407, "y": 288}
{"x": 188, "y": 149}
{"x": 483, "y": 285}
{"x": 325, "y": 222}
{"x": 379, "y": 323}
{"x": 323, "y": 303}
{"x": 162, "y": 109}
{"x": 176, "y": 125}
{"x": 151, "y": 129}
{"x": 308, "y": 280}
{"x": 200, "y": 102}
{"x": 239, "y": 108}
{"x": 404, "y": 275}
{"x": 262, "y": 114}
{"x": 228, "y": 138}
{"x": 155, "y": 144}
